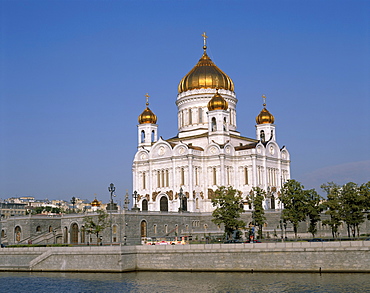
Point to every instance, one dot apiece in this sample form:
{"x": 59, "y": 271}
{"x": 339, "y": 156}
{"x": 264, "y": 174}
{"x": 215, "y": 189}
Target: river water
{"x": 182, "y": 282}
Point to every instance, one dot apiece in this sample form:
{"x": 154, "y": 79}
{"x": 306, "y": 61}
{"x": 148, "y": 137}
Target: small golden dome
{"x": 95, "y": 203}
{"x": 265, "y": 116}
{"x": 205, "y": 74}
{"x": 147, "y": 116}
{"x": 217, "y": 103}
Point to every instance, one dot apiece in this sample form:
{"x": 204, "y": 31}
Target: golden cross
{"x": 264, "y": 100}
{"x": 204, "y": 38}
{"x": 147, "y": 99}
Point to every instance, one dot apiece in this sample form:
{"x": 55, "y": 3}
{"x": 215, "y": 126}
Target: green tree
{"x": 364, "y": 191}
{"x": 96, "y": 224}
{"x": 228, "y": 203}
{"x": 333, "y": 207}
{"x": 258, "y": 215}
{"x": 353, "y": 206}
{"x": 293, "y": 199}
{"x": 314, "y": 209}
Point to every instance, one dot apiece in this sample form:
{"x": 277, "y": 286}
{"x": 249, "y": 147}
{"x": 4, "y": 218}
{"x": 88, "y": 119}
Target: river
{"x": 182, "y": 282}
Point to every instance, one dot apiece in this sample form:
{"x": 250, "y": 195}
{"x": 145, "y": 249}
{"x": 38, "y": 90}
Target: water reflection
{"x": 182, "y": 282}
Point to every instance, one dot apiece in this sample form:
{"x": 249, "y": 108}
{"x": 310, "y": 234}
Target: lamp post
{"x": 111, "y": 189}
{"x": 1, "y": 230}
{"x": 135, "y": 208}
{"x": 73, "y": 202}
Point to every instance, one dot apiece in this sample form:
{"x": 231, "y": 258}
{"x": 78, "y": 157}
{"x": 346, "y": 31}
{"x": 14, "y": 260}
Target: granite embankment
{"x": 351, "y": 256}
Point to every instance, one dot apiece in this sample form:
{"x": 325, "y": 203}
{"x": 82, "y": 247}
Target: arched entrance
{"x": 163, "y": 204}
{"x": 272, "y": 202}
{"x": 74, "y": 233}
{"x": 143, "y": 229}
{"x": 144, "y": 205}
{"x": 65, "y": 235}
{"x": 184, "y": 203}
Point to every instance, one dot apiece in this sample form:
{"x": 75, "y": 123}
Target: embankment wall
{"x": 349, "y": 256}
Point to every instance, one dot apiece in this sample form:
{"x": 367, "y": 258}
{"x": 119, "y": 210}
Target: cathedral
{"x": 182, "y": 173}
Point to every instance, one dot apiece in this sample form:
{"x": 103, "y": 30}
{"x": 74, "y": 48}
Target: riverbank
{"x": 349, "y": 256}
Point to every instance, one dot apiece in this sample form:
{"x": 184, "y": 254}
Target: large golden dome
{"x": 217, "y": 103}
{"x": 205, "y": 75}
{"x": 147, "y": 116}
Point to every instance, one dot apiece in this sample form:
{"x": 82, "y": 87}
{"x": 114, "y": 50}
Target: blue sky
{"x": 74, "y": 74}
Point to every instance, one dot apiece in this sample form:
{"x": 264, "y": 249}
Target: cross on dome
{"x": 204, "y": 41}
{"x": 147, "y": 99}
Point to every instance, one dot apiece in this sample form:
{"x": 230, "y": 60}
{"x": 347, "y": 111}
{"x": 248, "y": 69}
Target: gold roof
{"x": 205, "y": 74}
{"x": 217, "y": 103}
{"x": 147, "y": 116}
{"x": 265, "y": 117}
{"x": 95, "y": 203}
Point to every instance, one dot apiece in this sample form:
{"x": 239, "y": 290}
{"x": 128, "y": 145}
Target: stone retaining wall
{"x": 351, "y": 256}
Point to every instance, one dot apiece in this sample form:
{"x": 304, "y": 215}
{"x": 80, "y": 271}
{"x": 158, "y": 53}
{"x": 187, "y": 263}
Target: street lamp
{"x": 111, "y": 189}
{"x": 73, "y": 201}
{"x": 135, "y": 196}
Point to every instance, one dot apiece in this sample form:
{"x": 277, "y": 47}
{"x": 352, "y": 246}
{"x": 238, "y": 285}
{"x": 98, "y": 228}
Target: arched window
{"x": 143, "y": 229}
{"x": 17, "y": 233}
{"x": 262, "y": 136}
{"x": 197, "y": 203}
{"x": 213, "y": 125}
{"x": 2, "y": 233}
{"x": 214, "y": 173}
{"x": 144, "y": 205}
{"x": 182, "y": 182}
{"x": 158, "y": 179}
{"x": 163, "y": 204}
{"x": 142, "y": 136}
{"x": 246, "y": 176}
{"x": 153, "y": 135}
{"x": 155, "y": 229}
{"x": 38, "y": 229}
{"x": 50, "y": 229}
{"x": 144, "y": 182}
{"x": 83, "y": 234}
{"x": 74, "y": 233}
{"x": 167, "y": 178}
{"x": 190, "y": 117}
{"x": 225, "y": 124}
{"x": 162, "y": 179}
{"x": 200, "y": 115}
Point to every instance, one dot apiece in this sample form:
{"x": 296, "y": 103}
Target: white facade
{"x": 208, "y": 152}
